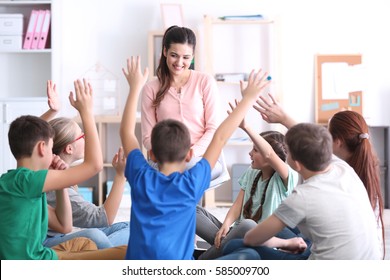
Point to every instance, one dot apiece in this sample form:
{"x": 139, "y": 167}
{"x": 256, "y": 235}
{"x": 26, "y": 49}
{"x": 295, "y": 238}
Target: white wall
{"x": 110, "y": 31}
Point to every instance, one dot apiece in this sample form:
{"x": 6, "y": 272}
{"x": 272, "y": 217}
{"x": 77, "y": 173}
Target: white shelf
{"x": 18, "y": 3}
{"x": 26, "y": 51}
{"x": 240, "y": 21}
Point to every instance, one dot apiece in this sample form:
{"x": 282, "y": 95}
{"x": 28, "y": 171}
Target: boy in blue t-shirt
{"x": 164, "y": 200}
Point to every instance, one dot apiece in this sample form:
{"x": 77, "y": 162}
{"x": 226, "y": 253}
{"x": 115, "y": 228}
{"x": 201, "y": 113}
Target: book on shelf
{"x": 38, "y": 28}
{"x": 44, "y": 31}
{"x": 30, "y": 29}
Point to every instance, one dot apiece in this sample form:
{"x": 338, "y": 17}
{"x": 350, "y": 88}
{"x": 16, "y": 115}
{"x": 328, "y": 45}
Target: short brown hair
{"x": 311, "y": 145}
{"x": 170, "y": 141}
{"x": 25, "y": 132}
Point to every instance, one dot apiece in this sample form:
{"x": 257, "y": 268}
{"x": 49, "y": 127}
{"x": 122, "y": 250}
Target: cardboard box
{"x": 10, "y": 42}
{"x": 11, "y": 24}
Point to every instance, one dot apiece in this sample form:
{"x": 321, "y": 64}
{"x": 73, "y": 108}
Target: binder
{"x": 37, "y": 30}
{"x": 30, "y": 30}
{"x": 44, "y": 31}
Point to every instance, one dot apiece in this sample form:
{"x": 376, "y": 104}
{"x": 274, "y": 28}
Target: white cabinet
{"x": 23, "y": 73}
{"x": 11, "y": 108}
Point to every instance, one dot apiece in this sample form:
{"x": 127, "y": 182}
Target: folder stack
{"x": 37, "y": 30}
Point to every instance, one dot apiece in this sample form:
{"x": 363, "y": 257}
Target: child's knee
{"x": 247, "y": 224}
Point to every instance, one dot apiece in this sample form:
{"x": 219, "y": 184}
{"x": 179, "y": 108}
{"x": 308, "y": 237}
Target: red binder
{"x": 44, "y": 31}
{"x": 30, "y": 30}
{"x": 38, "y": 28}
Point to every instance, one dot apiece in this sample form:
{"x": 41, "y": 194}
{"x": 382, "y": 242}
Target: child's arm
{"x": 262, "y": 234}
{"x": 53, "y": 100}
{"x": 232, "y": 215}
{"x": 266, "y": 150}
{"x": 256, "y": 83}
{"x": 272, "y": 112}
{"x": 136, "y": 80}
{"x": 93, "y": 158}
{"x": 60, "y": 218}
{"x": 111, "y": 205}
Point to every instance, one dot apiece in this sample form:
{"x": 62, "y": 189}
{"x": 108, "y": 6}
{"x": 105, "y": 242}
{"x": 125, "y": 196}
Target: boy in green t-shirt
{"x": 24, "y": 214}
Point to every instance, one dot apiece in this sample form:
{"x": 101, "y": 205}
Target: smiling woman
{"x": 180, "y": 93}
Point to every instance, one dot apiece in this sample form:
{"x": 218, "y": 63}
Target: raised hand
{"x": 256, "y": 83}
{"x": 52, "y": 96}
{"x": 243, "y": 123}
{"x": 271, "y": 111}
{"x": 133, "y": 74}
{"x": 83, "y": 93}
{"x": 119, "y": 162}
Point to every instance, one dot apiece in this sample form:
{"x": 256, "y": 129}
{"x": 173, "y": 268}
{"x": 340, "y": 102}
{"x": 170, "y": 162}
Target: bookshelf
{"x": 23, "y": 74}
{"x": 226, "y": 58}
{"x": 34, "y": 67}
{"x": 225, "y": 43}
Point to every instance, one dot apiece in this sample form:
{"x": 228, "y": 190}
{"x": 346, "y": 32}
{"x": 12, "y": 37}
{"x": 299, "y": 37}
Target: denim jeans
{"x": 267, "y": 253}
{"x": 115, "y": 235}
{"x": 241, "y": 254}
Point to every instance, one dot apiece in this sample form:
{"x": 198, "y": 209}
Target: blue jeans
{"x": 115, "y": 235}
{"x": 241, "y": 254}
{"x": 267, "y": 253}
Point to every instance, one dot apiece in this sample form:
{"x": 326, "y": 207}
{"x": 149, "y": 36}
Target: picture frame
{"x": 172, "y": 14}
{"x": 155, "y": 43}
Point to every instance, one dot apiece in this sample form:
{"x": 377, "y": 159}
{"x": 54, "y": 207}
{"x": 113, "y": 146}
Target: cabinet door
{"x": 10, "y": 111}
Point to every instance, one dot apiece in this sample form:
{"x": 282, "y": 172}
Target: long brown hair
{"x": 351, "y": 128}
{"x": 173, "y": 35}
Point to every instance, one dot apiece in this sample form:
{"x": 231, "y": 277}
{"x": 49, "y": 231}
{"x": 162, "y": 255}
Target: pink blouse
{"x": 195, "y": 106}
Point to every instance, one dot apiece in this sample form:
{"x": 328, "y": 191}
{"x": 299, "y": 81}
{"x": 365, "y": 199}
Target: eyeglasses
{"x": 78, "y": 138}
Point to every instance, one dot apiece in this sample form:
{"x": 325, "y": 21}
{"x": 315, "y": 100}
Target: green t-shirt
{"x": 23, "y": 216}
{"x": 276, "y": 191}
